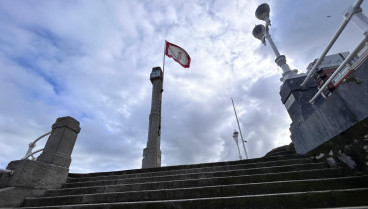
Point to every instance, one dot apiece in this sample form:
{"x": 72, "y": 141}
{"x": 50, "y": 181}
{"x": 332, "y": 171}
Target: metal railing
{"x": 353, "y": 13}
{"x": 355, "y": 9}
{"x": 341, "y": 67}
{"x": 30, "y": 152}
{"x": 10, "y": 172}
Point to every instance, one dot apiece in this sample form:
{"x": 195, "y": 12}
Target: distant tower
{"x": 152, "y": 153}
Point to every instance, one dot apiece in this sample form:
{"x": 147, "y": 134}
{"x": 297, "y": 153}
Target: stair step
{"x": 206, "y": 192}
{"x": 279, "y": 153}
{"x": 357, "y": 207}
{"x": 310, "y": 199}
{"x": 179, "y": 167}
{"x": 273, "y": 169}
{"x": 194, "y": 170}
{"x": 164, "y": 184}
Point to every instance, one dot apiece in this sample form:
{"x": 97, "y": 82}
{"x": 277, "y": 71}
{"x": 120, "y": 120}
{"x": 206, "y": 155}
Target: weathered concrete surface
{"x": 34, "y": 174}
{"x": 205, "y": 192}
{"x": 14, "y": 196}
{"x": 349, "y": 149}
{"x": 323, "y": 121}
{"x": 283, "y": 150}
{"x": 296, "y": 100}
{"x": 60, "y": 144}
{"x": 170, "y": 183}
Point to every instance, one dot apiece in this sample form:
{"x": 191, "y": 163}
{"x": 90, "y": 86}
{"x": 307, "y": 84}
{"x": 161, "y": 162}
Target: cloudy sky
{"x": 91, "y": 60}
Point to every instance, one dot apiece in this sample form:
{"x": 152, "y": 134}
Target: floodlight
{"x": 235, "y": 135}
{"x": 258, "y": 32}
{"x": 263, "y": 12}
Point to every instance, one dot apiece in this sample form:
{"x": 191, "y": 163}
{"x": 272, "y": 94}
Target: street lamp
{"x": 235, "y": 137}
{"x": 261, "y": 32}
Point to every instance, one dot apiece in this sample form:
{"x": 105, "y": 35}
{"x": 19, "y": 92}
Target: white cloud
{"x": 91, "y": 60}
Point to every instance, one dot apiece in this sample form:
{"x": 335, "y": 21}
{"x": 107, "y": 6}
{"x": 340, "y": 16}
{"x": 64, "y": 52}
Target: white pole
{"x": 273, "y": 46}
{"x": 163, "y": 68}
{"x": 241, "y": 135}
{"x": 245, "y": 150}
{"x": 33, "y": 144}
{"x": 163, "y": 63}
{"x": 235, "y": 137}
{"x": 237, "y": 145}
{"x": 280, "y": 59}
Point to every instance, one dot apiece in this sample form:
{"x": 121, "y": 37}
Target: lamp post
{"x": 241, "y": 135}
{"x": 235, "y": 137}
{"x": 261, "y": 32}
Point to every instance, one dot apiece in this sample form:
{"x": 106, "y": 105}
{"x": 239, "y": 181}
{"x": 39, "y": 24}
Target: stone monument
{"x": 152, "y": 153}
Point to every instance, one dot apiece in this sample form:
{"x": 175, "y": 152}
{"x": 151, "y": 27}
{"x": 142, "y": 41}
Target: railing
{"x": 28, "y": 154}
{"x": 353, "y": 13}
{"x": 355, "y": 9}
{"x": 32, "y": 145}
{"x": 341, "y": 67}
{"x": 10, "y": 172}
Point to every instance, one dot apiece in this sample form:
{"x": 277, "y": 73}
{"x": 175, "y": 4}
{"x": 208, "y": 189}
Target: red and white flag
{"x": 178, "y": 54}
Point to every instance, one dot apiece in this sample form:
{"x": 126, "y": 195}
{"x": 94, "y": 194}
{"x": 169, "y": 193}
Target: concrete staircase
{"x": 281, "y": 179}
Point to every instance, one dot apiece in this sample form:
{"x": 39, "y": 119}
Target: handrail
{"x": 340, "y": 68}
{"x": 354, "y": 10}
{"x": 10, "y": 172}
{"x": 29, "y": 152}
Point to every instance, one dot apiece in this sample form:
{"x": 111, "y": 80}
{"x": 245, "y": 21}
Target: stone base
{"x": 34, "y": 174}
{"x": 14, "y": 196}
{"x": 152, "y": 158}
{"x": 346, "y": 107}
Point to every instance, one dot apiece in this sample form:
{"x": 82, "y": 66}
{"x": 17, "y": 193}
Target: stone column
{"x": 152, "y": 153}
{"x": 60, "y": 144}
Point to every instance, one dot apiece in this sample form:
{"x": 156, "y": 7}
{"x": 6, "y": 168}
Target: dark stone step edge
{"x": 255, "y": 178}
{"x": 281, "y": 152}
{"x": 250, "y": 171}
{"x": 310, "y": 199}
{"x": 206, "y": 192}
{"x": 178, "y": 167}
{"x": 193, "y": 170}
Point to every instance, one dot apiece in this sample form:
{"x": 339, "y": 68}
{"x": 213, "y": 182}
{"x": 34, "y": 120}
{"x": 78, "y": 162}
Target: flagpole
{"x": 163, "y": 63}
{"x": 163, "y": 67}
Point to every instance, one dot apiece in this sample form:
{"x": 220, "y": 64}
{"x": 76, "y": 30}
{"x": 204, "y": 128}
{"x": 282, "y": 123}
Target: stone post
{"x": 296, "y": 100}
{"x": 49, "y": 171}
{"x": 60, "y": 144}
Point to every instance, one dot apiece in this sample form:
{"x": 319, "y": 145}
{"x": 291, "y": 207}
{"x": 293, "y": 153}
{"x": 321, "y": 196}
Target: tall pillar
{"x": 152, "y": 153}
